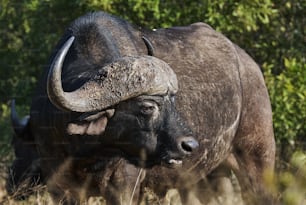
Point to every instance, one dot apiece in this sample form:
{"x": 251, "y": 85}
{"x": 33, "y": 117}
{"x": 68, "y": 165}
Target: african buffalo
{"x": 119, "y": 109}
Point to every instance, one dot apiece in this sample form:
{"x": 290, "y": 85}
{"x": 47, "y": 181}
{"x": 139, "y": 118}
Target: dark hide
{"x": 222, "y": 102}
{"x": 24, "y": 176}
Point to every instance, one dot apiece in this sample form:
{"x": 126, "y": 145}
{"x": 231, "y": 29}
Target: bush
{"x": 288, "y": 96}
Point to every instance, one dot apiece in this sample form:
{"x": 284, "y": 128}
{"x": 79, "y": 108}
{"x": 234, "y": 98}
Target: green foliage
{"x": 288, "y": 96}
{"x": 239, "y": 16}
{"x": 5, "y": 149}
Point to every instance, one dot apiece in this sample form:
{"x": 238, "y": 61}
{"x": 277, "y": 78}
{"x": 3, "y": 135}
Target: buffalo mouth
{"x": 142, "y": 156}
{"x": 149, "y": 163}
{"x": 142, "y": 159}
{"x": 172, "y": 162}
{"x": 175, "y": 162}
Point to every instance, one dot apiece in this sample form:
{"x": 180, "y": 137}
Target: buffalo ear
{"x": 90, "y": 125}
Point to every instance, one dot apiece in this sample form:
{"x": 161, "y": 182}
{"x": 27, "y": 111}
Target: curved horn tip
{"x": 13, "y": 110}
{"x": 54, "y": 88}
{"x": 18, "y": 125}
{"x": 148, "y": 45}
{"x": 13, "y": 103}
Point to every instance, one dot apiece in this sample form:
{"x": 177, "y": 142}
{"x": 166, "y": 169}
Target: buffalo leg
{"x": 124, "y": 185}
{"x": 254, "y": 151}
{"x": 215, "y": 189}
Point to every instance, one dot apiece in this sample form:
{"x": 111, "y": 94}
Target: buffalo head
{"x": 130, "y": 104}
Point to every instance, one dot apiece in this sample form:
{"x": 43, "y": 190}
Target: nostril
{"x": 186, "y": 147}
{"x": 189, "y": 145}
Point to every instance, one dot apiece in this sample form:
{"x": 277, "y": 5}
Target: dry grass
{"x": 289, "y": 185}
{"x": 41, "y": 197}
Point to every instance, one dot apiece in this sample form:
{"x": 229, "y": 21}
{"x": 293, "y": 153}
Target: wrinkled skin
{"x": 222, "y": 103}
{"x": 145, "y": 123}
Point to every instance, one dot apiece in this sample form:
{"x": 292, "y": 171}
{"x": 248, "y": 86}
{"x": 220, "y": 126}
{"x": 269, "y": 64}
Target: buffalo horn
{"x": 18, "y": 125}
{"x": 123, "y": 79}
{"x": 148, "y": 45}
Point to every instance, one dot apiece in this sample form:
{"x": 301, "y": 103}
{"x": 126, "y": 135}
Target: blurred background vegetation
{"x": 273, "y": 32}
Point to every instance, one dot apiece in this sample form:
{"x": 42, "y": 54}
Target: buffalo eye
{"x": 148, "y": 108}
